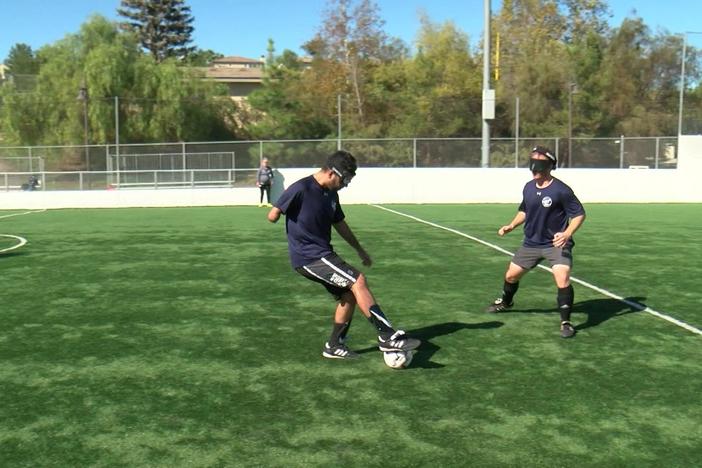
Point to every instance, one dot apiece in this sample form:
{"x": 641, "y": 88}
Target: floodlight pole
{"x": 83, "y": 96}
{"x": 117, "y": 137}
{"x": 682, "y": 79}
{"x": 571, "y": 89}
{"x": 338, "y": 122}
{"x": 682, "y": 85}
{"x": 485, "y": 157}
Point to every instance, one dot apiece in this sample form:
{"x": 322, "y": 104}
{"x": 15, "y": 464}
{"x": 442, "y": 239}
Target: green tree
{"x": 202, "y": 57}
{"x": 285, "y": 107}
{"x": 158, "y": 101}
{"x": 440, "y": 86}
{"x": 164, "y": 27}
{"x": 349, "y": 45}
{"x": 21, "y": 60}
{"x": 534, "y": 66}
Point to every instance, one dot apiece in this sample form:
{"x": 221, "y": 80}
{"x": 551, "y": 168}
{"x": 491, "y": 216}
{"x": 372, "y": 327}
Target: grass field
{"x": 181, "y": 337}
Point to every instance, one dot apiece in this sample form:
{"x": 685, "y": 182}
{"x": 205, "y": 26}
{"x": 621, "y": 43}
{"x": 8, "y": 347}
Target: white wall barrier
{"x": 409, "y": 185}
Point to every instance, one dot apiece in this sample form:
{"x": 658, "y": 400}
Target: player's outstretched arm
{"x": 345, "y": 232}
{"x": 274, "y": 214}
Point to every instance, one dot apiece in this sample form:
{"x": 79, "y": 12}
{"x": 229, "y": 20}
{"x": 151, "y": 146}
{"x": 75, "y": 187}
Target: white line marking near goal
{"x": 23, "y": 213}
{"x": 632, "y": 304}
{"x": 21, "y": 242}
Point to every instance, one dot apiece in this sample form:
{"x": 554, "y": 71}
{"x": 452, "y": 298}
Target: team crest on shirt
{"x": 546, "y": 202}
{"x": 334, "y": 205}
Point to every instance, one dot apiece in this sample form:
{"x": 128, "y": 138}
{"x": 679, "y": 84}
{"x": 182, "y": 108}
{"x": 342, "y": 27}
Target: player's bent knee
{"x": 360, "y": 285}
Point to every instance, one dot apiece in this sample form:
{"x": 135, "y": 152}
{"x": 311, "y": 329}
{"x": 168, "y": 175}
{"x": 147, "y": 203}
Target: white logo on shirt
{"x": 334, "y": 205}
{"x": 546, "y": 202}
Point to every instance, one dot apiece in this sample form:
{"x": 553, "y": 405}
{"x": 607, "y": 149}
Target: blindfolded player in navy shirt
{"x": 311, "y": 208}
{"x": 551, "y": 213}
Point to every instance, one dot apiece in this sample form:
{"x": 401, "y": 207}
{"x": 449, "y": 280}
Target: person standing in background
{"x": 264, "y": 179}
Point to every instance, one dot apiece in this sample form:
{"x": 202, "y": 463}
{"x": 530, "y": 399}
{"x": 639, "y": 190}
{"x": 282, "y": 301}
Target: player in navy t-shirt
{"x": 311, "y": 208}
{"x": 551, "y": 214}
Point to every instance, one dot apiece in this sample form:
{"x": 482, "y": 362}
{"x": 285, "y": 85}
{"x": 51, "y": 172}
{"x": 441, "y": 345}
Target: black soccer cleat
{"x": 339, "y": 351}
{"x": 499, "y": 306}
{"x": 398, "y": 341}
{"x": 567, "y": 330}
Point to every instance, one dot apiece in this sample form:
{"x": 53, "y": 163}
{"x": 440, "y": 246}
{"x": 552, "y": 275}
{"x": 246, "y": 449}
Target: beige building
{"x": 241, "y": 75}
{"x": 3, "y": 69}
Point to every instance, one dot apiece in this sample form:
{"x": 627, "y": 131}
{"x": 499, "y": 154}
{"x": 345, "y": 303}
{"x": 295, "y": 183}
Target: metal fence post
{"x": 260, "y": 151}
{"x": 30, "y": 160}
{"x": 185, "y": 162}
{"x": 658, "y": 143}
{"x": 414, "y": 153}
{"x": 516, "y": 132}
{"x": 621, "y": 152}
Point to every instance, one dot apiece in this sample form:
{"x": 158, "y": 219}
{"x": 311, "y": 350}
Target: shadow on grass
{"x": 422, "y": 358}
{"x": 12, "y": 254}
{"x": 601, "y": 310}
{"x": 597, "y": 310}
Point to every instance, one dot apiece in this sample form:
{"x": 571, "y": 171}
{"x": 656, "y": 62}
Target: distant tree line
{"x": 559, "y": 57}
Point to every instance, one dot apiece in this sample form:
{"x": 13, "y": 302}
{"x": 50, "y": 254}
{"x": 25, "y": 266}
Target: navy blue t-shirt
{"x": 310, "y": 210}
{"x": 547, "y": 212}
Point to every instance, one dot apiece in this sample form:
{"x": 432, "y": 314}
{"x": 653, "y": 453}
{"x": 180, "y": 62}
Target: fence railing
{"x": 226, "y": 163}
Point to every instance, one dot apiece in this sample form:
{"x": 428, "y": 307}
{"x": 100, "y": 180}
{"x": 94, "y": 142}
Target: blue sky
{"x": 242, "y": 27}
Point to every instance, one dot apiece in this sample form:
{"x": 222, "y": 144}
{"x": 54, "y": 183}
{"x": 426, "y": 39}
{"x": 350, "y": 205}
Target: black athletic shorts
{"x": 529, "y": 257}
{"x": 332, "y": 272}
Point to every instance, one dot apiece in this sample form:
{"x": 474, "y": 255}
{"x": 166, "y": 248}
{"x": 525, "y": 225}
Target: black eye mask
{"x": 540, "y": 165}
{"x": 344, "y": 176}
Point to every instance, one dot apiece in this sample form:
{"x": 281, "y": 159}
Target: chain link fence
{"x": 234, "y": 164}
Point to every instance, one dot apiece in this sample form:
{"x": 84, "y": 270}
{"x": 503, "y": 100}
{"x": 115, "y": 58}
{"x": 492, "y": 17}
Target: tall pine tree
{"x": 164, "y": 27}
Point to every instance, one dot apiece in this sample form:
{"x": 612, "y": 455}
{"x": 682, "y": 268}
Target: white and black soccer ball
{"x": 398, "y": 359}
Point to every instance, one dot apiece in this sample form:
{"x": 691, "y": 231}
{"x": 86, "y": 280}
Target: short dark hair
{"x": 342, "y": 161}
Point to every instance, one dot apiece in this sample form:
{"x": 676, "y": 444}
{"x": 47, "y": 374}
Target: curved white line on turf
{"x": 23, "y": 213}
{"x": 21, "y": 242}
{"x": 632, "y": 304}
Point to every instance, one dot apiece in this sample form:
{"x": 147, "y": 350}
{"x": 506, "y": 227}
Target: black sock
{"x": 508, "y": 291}
{"x": 380, "y": 321}
{"x": 338, "y": 330}
{"x": 565, "y": 298}
{"x": 345, "y": 331}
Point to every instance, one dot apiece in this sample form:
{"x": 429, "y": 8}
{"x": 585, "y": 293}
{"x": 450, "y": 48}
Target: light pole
{"x": 83, "y": 96}
{"x": 682, "y": 79}
{"x": 571, "y": 90}
{"x": 338, "y": 122}
{"x": 488, "y": 94}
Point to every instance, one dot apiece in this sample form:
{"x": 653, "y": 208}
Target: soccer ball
{"x": 398, "y": 359}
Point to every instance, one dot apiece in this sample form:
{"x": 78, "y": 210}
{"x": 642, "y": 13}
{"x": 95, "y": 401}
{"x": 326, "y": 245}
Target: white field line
{"x": 21, "y": 240}
{"x": 632, "y": 304}
{"x": 23, "y": 213}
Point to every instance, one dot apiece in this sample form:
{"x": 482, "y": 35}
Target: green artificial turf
{"x": 181, "y": 337}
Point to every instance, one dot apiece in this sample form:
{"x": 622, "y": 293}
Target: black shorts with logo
{"x": 332, "y": 272}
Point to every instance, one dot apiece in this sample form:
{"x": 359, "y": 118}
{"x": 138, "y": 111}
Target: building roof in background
{"x": 236, "y": 59}
{"x": 231, "y": 74}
